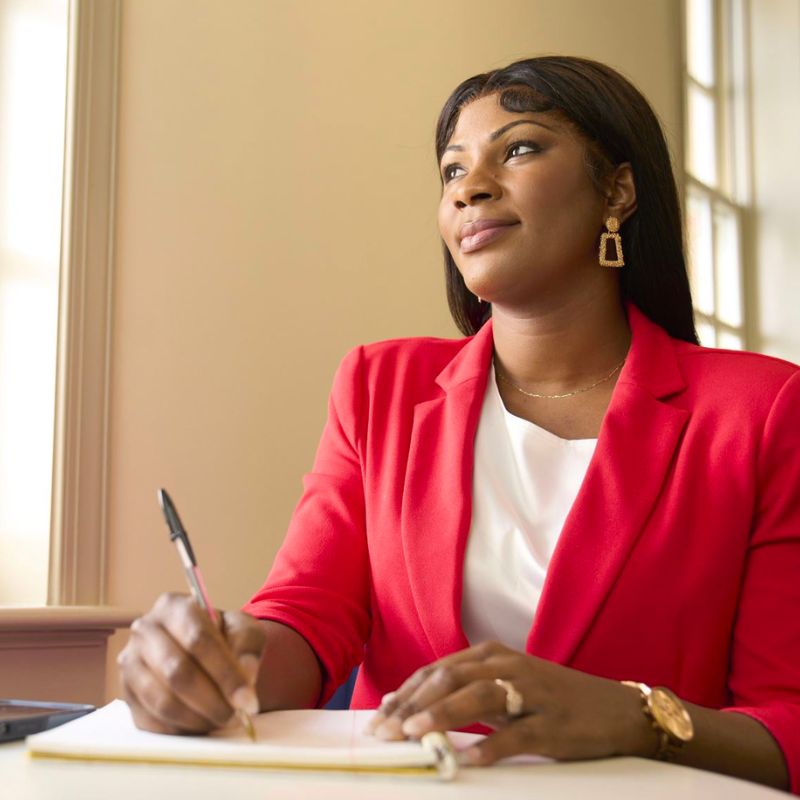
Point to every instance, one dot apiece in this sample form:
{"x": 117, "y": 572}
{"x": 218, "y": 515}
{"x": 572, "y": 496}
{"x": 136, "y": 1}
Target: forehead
{"x": 483, "y": 116}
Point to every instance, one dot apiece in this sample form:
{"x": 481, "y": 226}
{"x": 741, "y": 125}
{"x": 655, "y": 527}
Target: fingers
{"x": 153, "y": 705}
{"x": 480, "y": 699}
{"x": 474, "y": 667}
{"x": 478, "y": 654}
{"x": 535, "y": 706}
{"x": 180, "y": 673}
{"x": 521, "y": 736}
{"x": 179, "y": 677}
{"x": 198, "y": 637}
{"x": 246, "y": 638}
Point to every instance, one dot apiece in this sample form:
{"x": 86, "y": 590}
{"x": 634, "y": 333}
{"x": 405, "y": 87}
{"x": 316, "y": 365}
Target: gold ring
{"x": 514, "y": 702}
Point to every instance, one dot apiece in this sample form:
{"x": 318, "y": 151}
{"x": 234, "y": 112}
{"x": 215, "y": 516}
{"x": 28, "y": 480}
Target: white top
{"x": 524, "y": 482}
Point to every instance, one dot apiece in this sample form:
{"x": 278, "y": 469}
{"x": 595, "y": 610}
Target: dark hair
{"x": 618, "y": 126}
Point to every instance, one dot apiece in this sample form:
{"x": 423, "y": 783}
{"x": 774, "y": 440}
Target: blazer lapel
{"x": 437, "y": 499}
{"x": 636, "y": 444}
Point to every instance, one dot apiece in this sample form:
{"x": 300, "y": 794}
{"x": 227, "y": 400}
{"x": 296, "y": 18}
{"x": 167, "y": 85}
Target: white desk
{"x": 23, "y": 778}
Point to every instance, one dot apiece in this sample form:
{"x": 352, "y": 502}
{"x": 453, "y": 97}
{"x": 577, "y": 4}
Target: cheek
{"x": 559, "y": 205}
{"x": 550, "y": 193}
{"x": 445, "y": 222}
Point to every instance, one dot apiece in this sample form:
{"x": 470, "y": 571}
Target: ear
{"x": 621, "y": 193}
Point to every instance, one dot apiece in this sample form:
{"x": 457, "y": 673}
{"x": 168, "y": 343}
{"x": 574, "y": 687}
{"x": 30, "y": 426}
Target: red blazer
{"x": 678, "y": 565}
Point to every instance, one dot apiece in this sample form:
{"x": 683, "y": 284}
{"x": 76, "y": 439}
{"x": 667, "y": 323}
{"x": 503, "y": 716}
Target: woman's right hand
{"x": 182, "y": 674}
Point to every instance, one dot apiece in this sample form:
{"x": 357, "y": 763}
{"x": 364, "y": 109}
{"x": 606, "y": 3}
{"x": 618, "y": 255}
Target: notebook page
{"x": 302, "y": 739}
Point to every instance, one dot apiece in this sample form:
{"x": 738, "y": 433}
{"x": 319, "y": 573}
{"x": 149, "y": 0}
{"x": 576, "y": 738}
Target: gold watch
{"x": 668, "y": 716}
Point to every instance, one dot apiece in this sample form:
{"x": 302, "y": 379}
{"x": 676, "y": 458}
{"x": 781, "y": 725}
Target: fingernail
{"x": 390, "y": 729}
{"x": 245, "y": 698}
{"x": 249, "y": 664}
{"x": 418, "y": 724}
{"x": 376, "y": 720}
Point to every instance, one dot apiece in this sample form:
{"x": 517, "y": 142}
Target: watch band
{"x": 669, "y": 741}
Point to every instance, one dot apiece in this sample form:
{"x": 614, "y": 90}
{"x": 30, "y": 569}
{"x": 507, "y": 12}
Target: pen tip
{"x": 247, "y": 724}
{"x": 173, "y": 520}
{"x": 163, "y": 497}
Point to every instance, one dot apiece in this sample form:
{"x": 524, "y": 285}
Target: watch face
{"x": 670, "y": 714}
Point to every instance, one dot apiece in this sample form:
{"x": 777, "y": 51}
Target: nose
{"x": 477, "y": 186}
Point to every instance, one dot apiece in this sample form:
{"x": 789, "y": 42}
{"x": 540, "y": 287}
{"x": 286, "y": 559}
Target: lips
{"x": 480, "y": 232}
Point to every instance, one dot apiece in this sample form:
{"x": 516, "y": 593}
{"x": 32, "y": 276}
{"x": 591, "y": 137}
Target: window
{"x": 33, "y": 66}
{"x": 717, "y": 167}
{"x": 57, "y": 113}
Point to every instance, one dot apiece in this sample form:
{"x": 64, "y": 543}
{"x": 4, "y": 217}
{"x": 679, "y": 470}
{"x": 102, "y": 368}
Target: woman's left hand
{"x": 566, "y": 714}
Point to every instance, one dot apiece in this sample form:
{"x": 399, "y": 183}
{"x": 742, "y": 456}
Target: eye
{"x": 522, "y": 149}
{"x": 451, "y": 171}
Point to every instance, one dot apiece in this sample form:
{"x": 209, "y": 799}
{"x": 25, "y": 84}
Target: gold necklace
{"x": 559, "y": 396}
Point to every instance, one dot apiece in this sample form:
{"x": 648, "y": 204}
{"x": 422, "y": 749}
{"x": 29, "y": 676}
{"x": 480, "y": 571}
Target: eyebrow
{"x": 494, "y": 136}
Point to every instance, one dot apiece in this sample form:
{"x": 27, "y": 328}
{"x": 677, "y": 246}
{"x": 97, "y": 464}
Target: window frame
{"x": 78, "y": 525}
{"x": 731, "y": 97}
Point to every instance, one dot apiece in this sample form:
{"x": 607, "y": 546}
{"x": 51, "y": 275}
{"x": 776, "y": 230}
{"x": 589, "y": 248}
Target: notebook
{"x": 306, "y": 739}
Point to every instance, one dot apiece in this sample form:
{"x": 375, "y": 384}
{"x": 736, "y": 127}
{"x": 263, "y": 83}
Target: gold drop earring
{"x": 612, "y": 237}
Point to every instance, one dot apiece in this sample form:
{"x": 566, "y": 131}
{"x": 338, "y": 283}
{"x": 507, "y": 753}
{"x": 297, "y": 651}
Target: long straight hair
{"x": 618, "y": 126}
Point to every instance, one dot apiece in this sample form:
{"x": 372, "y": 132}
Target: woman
{"x": 503, "y": 528}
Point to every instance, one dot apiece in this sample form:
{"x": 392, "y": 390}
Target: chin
{"x": 480, "y": 281}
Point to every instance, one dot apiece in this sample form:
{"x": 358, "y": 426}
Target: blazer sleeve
{"x": 764, "y": 680}
{"x": 319, "y": 583}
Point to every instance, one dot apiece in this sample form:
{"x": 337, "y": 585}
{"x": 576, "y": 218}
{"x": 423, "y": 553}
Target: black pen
{"x": 177, "y": 534}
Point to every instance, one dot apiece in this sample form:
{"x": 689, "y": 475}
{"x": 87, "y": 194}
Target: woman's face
{"x": 519, "y": 212}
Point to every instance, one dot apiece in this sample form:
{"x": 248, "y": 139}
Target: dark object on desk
{"x": 20, "y": 718}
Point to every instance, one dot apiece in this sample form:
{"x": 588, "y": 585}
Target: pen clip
{"x": 446, "y": 761}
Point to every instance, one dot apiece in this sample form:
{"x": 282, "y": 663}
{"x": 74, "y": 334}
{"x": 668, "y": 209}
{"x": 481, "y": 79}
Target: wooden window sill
{"x": 57, "y": 653}
{"x": 64, "y": 618}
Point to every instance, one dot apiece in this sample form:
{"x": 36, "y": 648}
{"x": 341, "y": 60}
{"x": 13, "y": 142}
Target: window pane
{"x": 701, "y": 252}
{"x": 738, "y": 103}
{"x": 729, "y": 274}
{"x": 702, "y": 140}
{"x": 700, "y": 40}
{"x": 730, "y": 341}
{"x": 33, "y": 51}
{"x": 705, "y": 332}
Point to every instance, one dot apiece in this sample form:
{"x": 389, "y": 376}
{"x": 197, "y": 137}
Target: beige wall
{"x": 276, "y": 205}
